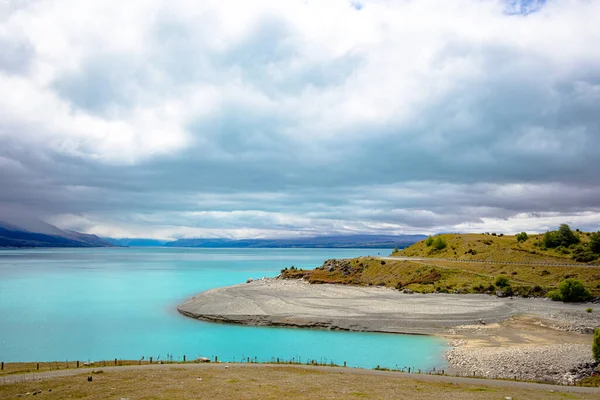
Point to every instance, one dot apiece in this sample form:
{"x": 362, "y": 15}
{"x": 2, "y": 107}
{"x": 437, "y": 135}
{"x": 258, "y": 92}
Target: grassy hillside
{"x": 484, "y": 247}
{"x": 448, "y": 277}
{"x": 526, "y": 267}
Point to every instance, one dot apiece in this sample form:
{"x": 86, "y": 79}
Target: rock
{"x": 249, "y": 280}
{"x": 407, "y": 291}
{"x": 501, "y": 293}
{"x": 202, "y": 359}
{"x": 90, "y": 378}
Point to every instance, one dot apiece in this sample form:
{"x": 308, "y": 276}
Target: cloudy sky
{"x": 275, "y": 118}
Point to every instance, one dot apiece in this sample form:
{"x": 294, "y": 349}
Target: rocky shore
{"x": 557, "y": 363}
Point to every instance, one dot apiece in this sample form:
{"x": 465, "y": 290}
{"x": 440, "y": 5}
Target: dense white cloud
{"x": 285, "y": 117}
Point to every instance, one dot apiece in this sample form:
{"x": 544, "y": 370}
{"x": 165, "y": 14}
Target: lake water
{"x": 94, "y": 304}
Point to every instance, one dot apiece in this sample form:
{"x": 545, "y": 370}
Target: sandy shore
{"x": 531, "y": 339}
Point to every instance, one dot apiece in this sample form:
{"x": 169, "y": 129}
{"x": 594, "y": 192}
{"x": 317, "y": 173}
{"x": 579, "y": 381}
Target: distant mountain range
{"x": 35, "y": 233}
{"x": 340, "y": 241}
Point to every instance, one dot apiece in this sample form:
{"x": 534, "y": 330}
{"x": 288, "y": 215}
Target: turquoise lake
{"x": 95, "y": 304}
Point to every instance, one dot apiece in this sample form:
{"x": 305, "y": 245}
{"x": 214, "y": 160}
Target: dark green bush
{"x": 572, "y": 290}
{"x": 583, "y": 253}
{"x": 564, "y": 236}
{"x": 522, "y": 237}
{"x": 439, "y": 243}
{"x": 429, "y": 241}
{"x": 502, "y": 281}
{"x": 595, "y": 242}
{"x": 554, "y": 295}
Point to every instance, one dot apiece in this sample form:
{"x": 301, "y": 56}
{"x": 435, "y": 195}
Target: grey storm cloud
{"x": 152, "y": 119}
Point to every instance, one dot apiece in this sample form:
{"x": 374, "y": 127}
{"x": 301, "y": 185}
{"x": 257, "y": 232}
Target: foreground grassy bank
{"x": 221, "y": 381}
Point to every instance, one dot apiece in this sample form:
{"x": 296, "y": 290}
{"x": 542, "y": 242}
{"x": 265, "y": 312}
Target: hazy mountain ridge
{"x": 41, "y": 234}
{"x": 36, "y": 233}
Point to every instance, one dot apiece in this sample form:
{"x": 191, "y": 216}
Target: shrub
{"x": 439, "y": 243}
{"x": 502, "y": 281}
{"x": 554, "y": 295}
{"x": 567, "y": 237}
{"x": 594, "y": 245}
{"x": 583, "y": 253}
{"x": 589, "y": 310}
{"x": 596, "y": 345}
{"x": 395, "y": 249}
{"x": 429, "y": 241}
{"x": 551, "y": 239}
{"x": 573, "y": 290}
{"x": 522, "y": 237}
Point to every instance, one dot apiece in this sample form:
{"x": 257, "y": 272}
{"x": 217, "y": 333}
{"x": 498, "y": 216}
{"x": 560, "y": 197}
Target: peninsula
{"x": 487, "y": 294}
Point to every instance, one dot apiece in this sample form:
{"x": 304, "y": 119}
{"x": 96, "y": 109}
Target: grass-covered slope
{"x": 525, "y": 268}
{"x": 486, "y": 247}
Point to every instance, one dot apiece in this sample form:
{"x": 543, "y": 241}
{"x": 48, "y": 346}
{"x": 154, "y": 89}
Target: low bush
{"x": 429, "y": 241}
{"x": 522, "y": 237}
{"x": 570, "y": 290}
{"x": 502, "y": 281}
{"x": 439, "y": 243}
{"x": 583, "y": 253}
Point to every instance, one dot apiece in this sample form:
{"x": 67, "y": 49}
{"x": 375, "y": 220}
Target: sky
{"x": 282, "y": 118}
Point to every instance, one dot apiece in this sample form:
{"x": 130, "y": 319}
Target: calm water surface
{"x": 92, "y": 304}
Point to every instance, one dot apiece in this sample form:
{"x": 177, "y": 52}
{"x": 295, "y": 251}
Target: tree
{"x": 429, "y": 241}
{"x": 551, "y": 239}
{"x": 595, "y": 242}
{"x": 566, "y": 235}
{"x": 573, "y": 290}
{"x": 596, "y": 345}
{"x": 395, "y": 249}
{"x": 439, "y": 243}
{"x": 522, "y": 237}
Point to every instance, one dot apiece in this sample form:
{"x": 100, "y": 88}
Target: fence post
{"x": 184, "y": 358}
{"x": 344, "y": 363}
{"x": 38, "y": 366}
{"x": 77, "y": 364}
{"x": 2, "y": 369}
{"x": 150, "y": 360}
{"x": 115, "y": 361}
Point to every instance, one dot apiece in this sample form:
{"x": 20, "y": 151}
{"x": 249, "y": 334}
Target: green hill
{"x": 486, "y": 247}
{"x": 469, "y": 263}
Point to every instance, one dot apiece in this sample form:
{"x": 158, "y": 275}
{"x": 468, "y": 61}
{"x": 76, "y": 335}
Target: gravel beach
{"x": 553, "y": 345}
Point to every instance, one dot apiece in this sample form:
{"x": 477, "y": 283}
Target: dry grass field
{"x": 274, "y": 382}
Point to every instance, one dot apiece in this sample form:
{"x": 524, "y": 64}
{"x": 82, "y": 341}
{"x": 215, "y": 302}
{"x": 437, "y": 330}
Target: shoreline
{"x": 489, "y": 337}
